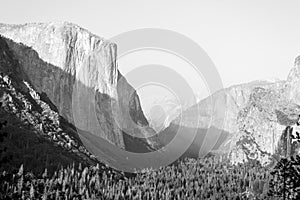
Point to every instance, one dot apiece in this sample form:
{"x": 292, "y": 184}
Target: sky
{"x": 246, "y": 40}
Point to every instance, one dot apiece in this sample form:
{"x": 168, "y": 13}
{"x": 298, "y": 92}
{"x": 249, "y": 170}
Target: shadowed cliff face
{"x": 205, "y": 140}
{"x": 77, "y": 71}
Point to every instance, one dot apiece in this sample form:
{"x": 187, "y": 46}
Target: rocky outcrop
{"x": 77, "y": 70}
{"x": 261, "y": 125}
{"x": 220, "y": 111}
{"x": 46, "y": 122}
{"x": 293, "y": 83}
{"x": 253, "y": 116}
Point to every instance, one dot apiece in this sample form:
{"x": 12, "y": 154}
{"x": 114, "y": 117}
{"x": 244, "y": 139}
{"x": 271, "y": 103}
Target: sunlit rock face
{"x": 293, "y": 82}
{"x": 261, "y": 124}
{"x": 253, "y": 116}
{"x": 220, "y": 111}
{"x": 77, "y": 70}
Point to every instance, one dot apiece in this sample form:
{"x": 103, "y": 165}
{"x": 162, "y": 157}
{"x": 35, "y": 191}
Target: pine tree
{"x": 31, "y": 192}
{"x": 286, "y": 179}
{"x": 3, "y": 158}
{"x": 45, "y": 174}
{"x": 21, "y": 179}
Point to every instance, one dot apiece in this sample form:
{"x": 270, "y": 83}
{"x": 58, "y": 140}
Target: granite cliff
{"x": 262, "y": 121}
{"x": 75, "y": 72}
{"x": 246, "y": 122}
{"x": 78, "y": 72}
{"x": 37, "y": 136}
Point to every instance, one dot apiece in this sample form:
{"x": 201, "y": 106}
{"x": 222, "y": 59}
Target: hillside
{"x": 244, "y": 122}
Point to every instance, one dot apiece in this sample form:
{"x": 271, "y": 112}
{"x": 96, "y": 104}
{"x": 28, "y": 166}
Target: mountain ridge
{"x": 234, "y": 110}
{"x": 77, "y": 72}
{"x": 88, "y": 64}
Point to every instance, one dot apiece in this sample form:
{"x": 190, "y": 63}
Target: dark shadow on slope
{"x": 119, "y": 159}
{"x": 202, "y": 142}
{"x": 135, "y": 144}
{"x": 36, "y": 153}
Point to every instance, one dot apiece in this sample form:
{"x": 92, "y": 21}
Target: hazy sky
{"x": 247, "y": 40}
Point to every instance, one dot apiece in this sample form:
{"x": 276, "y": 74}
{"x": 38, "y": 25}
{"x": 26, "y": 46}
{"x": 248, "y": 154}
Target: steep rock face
{"x": 262, "y": 120}
{"x": 37, "y": 135}
{"x": 253, "y": 117}
{"x": 220, "y": 112}
{"x": 293, "y": 83}
{"x": 77, "y": 70}
{"x": 261, "y": 124}
{"x": 221, "y": 108}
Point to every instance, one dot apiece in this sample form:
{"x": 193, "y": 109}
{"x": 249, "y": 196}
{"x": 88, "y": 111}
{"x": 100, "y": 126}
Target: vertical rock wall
{"x": 77, "y": 70}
